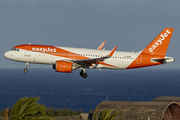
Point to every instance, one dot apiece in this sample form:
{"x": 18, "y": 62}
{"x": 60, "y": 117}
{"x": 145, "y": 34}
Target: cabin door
{"x": 27, "y": 51}
{"x": 139, "y": 60}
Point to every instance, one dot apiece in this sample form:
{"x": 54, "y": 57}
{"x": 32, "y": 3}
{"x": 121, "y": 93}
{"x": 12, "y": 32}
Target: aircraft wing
{"x": 95, "y": 60}
{"x": 101, "y": 46}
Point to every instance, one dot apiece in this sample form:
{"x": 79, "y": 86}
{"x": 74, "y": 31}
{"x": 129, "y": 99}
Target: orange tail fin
{"x": 160, "y": 44}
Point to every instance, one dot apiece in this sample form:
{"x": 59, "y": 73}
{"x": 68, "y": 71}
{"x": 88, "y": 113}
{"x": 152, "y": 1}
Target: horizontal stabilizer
{"x": 165, "y": 60}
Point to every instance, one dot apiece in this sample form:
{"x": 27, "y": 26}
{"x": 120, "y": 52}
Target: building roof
{"x": 157, "y": 109}
{"x": 167, "y": 99}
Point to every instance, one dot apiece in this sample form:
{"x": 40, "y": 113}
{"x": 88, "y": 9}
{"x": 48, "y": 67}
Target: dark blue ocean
{"x": 70, "y": 90}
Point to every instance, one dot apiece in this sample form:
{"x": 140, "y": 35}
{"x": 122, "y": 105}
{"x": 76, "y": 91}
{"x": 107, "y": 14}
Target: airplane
{"x": 68, "y": 59}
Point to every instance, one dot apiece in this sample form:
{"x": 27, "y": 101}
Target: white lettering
{"x": 51, "y": 50}
{"x": 168, "y": 31}
{"x": 48, "y": 50}
{"x": 150, "y": 49}
{"x": 154, "y": 46}
{"x": 163, "y": 37}
{"x": 44, "y": 49}
{"x": 159, "y": 41}
{"x": 165, "y": 34}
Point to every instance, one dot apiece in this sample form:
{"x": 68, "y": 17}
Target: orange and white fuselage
{"x": 67, "y": 59}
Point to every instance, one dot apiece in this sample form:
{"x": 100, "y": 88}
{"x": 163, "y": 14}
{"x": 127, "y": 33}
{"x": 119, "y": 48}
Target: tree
{"x": 28, "y": 109}
{"x": 106, "y": 115}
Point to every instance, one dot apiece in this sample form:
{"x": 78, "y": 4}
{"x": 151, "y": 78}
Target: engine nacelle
{"x": 63, "y": 66}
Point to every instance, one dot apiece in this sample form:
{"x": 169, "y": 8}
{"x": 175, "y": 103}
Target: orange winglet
{"x": 101, "y": 46}
{"x": 112, "y": 52}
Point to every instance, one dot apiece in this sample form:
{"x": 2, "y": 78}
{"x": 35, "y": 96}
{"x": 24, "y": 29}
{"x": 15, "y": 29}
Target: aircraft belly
{"x": 42, "y": 59}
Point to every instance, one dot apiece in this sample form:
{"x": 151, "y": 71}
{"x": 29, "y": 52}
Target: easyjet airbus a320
{"x": 66, "y": 59}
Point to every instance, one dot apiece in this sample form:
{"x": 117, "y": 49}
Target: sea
{"x": 70, "y": 90}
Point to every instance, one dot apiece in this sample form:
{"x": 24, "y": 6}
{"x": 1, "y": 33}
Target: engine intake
{"x": 63, "y": 66}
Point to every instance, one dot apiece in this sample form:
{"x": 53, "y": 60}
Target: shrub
{"x": 106, "y": 115}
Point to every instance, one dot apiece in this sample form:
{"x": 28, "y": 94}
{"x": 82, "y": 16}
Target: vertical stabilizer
{"x": 160, "y": 44}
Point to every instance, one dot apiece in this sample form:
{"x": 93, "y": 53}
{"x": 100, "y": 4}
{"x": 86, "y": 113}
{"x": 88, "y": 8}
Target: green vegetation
{"x": 2, "y": 112}
{"x": 91, "y": 111}
{"x": 26, "y": 107}
{"x": 57, "y": 112}
{"x": 106, "y": 115}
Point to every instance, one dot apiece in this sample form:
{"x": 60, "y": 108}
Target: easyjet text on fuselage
{"x": 44, "y": 49}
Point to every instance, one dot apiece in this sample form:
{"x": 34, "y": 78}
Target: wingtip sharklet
{"x": 101, "y": 46}
{"x": 112, "y": 51}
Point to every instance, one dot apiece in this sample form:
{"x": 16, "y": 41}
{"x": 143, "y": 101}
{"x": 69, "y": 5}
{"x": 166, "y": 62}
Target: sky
{"x": 129, "y": 24}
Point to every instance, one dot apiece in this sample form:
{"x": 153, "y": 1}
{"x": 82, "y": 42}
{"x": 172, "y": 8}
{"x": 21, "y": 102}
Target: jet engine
{"x": 63, "y": 66}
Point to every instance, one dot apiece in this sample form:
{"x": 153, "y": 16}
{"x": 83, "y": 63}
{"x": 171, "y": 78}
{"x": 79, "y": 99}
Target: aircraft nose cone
{"x": 7, "y": 55}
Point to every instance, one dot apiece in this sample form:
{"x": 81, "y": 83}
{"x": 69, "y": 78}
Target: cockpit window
{"x": 15, "y": 49}
{"x": 12, "y": 48}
